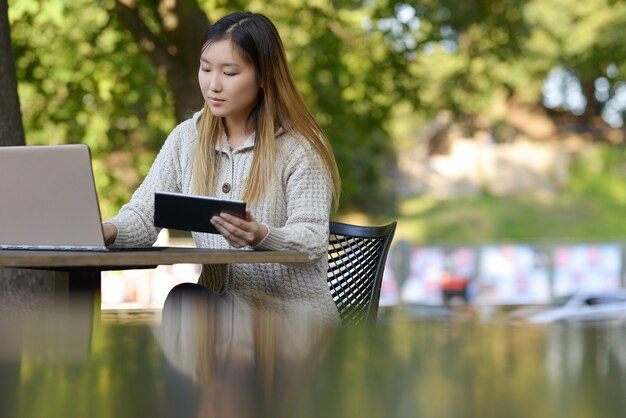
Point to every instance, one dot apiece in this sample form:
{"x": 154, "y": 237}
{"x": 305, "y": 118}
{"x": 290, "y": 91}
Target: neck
{"x": 237, "y": 132}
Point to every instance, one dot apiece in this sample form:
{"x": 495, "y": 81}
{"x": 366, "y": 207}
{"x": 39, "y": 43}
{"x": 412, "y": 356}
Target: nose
{"x": 215, "y": 83}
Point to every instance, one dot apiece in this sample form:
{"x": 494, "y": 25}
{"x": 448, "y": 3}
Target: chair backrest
{"x": 356, "y": 262}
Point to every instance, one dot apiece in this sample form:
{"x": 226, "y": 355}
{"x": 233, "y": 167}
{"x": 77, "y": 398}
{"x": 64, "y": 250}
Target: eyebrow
{"x": 227, "y": 64}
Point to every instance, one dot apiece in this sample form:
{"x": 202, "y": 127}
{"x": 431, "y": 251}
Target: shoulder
{"x": 293, "y": 145}
{"x": 187, "y": 130}
{"x": 297, "y": 156}
{"x": 183, "y": 137}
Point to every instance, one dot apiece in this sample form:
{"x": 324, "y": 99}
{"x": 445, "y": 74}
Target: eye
{"x": 205, "y": 70}
{"x": 230, "y": 74}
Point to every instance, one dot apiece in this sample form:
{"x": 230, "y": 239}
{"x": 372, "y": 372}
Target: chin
{"x": 217, "y": 112}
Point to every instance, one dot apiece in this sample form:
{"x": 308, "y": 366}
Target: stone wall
{"x": 473, "y": 165}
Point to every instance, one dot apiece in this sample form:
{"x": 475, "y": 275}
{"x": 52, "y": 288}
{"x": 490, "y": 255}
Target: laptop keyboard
{"x": 71, "y": 248}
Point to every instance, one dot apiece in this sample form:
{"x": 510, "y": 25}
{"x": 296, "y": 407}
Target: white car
{"x": 585, "y": 307}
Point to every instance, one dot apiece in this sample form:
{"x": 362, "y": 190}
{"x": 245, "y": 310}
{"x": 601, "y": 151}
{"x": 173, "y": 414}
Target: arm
{"x": 134, "y": 224}
{"x": 308, "y": 197}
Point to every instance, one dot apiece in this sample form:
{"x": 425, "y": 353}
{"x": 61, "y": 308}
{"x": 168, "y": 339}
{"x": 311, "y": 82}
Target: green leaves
{"x": 83, "y": 77}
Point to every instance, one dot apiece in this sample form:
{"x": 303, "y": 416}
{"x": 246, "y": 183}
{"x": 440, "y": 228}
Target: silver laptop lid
{"x": 48, "y": 196}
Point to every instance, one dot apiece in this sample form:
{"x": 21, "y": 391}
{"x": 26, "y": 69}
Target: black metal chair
{"x": 356, "y": 262}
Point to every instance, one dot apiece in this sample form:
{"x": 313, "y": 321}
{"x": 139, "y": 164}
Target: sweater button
{"x": 226, "y": 188}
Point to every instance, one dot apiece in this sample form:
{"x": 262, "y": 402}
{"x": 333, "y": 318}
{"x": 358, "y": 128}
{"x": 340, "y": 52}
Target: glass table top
{"x": 206, "y": 359}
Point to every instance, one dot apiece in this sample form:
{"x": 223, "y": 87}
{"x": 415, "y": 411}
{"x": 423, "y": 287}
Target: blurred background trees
{"x": 119, "y": 74}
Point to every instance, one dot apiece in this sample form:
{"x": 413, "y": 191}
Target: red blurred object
{"x": 452, "y": 283}
{"x": 454, "y": 286}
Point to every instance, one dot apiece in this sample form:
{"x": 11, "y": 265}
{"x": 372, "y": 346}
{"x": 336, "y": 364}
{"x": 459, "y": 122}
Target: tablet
{"x": 191, "y": 212}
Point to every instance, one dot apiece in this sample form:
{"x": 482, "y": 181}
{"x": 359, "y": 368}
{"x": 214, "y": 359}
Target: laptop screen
{"x": 48, "y": 196}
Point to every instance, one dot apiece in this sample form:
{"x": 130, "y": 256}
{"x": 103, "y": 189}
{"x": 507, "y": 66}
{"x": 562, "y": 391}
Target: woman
{"x": 254, "y": 140}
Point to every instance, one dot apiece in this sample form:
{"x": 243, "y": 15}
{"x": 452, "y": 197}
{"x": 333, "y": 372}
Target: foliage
{"x": 465, "y": 56}
{"x": 84, "y": 77}
{"x": 115, "y": 73}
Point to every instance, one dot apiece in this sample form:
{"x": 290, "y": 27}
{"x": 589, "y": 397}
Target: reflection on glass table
{"x": 582, "y": 307}
{"x": 211, "y": 357}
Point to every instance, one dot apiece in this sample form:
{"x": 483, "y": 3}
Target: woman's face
{"x": 228, "y": 82}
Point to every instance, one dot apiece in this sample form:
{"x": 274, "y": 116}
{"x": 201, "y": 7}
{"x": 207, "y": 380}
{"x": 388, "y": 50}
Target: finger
{"x": 234, "y": 235}
{"x": 236, "y": 221}
{"x": 232, "y": 239}
{"x": 220, "y": 226}
{"x": 236, "y": 241}
{"x": 231, "y": 225}
{"x": 243, "y": 230}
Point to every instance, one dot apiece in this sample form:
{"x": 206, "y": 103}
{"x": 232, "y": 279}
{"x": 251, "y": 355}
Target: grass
{"x": 517, "y": 219}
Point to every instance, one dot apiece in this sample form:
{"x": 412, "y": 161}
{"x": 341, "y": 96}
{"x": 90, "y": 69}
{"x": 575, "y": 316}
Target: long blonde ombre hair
{"x": 279, "y": 105}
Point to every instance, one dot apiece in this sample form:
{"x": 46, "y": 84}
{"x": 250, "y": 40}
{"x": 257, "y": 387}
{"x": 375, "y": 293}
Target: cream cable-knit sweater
{"x": 295, "y": 214}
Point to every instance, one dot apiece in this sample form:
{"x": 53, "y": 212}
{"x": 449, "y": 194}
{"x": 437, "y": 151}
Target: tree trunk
{"x": 593, "y": 110}
{"x": 174, "y": 48}
{"x": 11, "y": 130}
{"x": 19, "y": 289}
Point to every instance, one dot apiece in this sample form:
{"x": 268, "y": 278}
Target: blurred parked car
{"x": 583, "y": 307}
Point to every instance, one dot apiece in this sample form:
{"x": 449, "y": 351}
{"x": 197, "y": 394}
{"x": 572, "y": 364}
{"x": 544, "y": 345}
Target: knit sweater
{"x": 295, "y": 212}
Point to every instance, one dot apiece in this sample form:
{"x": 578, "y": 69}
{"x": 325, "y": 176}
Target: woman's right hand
{"x": 110, "y": 233}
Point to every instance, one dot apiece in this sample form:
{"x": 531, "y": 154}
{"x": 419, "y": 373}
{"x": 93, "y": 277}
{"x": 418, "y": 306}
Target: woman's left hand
{"x": 239, "y": 232}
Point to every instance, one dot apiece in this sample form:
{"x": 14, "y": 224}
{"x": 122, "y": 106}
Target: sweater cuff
{"x": 274, "y": 240}
{"x": 123, "y": 234}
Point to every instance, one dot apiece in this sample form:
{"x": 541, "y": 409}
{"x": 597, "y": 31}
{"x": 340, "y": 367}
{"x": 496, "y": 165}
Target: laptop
{"x": 48, "y": 200}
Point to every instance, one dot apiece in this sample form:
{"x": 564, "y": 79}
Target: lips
{"x": 213, "y": 101}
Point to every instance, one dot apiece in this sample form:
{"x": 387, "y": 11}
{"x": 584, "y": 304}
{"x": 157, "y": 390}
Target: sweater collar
{"x": 247, "y": 144}
{"x": 223, "y": 144}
